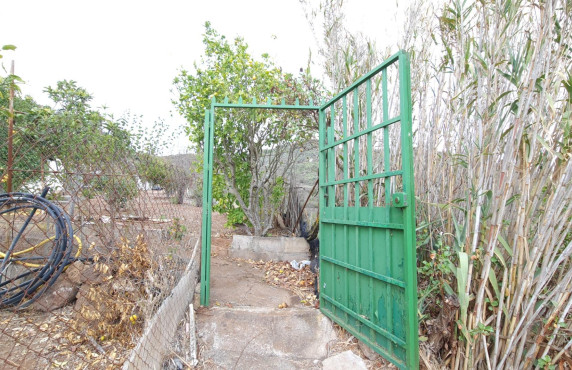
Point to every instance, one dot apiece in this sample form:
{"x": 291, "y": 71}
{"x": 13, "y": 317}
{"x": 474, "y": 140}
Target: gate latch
{"x": 399, "y": 200}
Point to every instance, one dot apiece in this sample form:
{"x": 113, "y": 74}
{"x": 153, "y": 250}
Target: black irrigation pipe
{"x": 23, "y": 293}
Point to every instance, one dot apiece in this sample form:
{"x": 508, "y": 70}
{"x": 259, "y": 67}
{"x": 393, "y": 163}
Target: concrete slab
{"x": 343, "y": 361}
{"x": 263, "y": 338}
{"x": 241, "y": 285}
{"x": 245, "y": 329}
{"x": 269, "y": 248}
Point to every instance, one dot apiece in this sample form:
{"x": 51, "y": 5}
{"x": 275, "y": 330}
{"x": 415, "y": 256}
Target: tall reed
{"x": 492, "y": 93}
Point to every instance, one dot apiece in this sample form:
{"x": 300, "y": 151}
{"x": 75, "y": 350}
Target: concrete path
{"x": 244, "y": 328}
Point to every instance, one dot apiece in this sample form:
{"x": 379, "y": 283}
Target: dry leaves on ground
{"x": 281, "y": 274}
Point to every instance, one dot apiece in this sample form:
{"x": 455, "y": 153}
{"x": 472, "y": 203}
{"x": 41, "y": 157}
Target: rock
{"x": 88, "y": 307}
{"x": 344, "y": 360}
{"x": 369, "y": 353}
{"x": 80, "y": 273}
{"x": 57, "y": 296}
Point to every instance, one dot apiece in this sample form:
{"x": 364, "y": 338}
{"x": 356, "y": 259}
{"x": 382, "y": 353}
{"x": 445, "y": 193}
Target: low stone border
{"x": 269, "y": 248}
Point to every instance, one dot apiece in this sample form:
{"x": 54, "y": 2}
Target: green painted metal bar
{"x": 265, "y": 106}
{"x": 369, "y": 145}
{"x": 392, "y": 59}
{"x": 322, "y": 190}
{"x": 370, "y": 240}
{"x": 366, "y": 272}
{"x": 388, "y": 255}
{"x": 331, "y": 159}
{"x": 363, "y": 223}
{"x": 386, "y": 147}
{"x": 410, "y": 252}
{"x": 364, "y": 132}
{"x": 322, "y": 160}
{"x": 364, "y": 178}
{"x": 205, "y": 234}
{"x": 345, "y": 134}
{"x": 380, "y": 330}
{"x": 212, "y": 119}
{"x": 356, "y": 148}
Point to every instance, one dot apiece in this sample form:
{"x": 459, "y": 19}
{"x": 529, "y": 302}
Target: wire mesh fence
{"x": 95, "y": 234}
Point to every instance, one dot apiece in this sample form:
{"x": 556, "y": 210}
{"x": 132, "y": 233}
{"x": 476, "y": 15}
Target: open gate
{"x": 368, "y": 279}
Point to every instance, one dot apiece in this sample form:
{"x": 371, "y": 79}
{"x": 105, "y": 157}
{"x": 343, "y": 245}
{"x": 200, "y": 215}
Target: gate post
{"x": 409, "y": 217}
{"x": 208, "y": 143}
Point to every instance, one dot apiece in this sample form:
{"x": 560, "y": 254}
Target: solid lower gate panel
{"x": 363, "y": 288}
{"x": 368, "y": 281}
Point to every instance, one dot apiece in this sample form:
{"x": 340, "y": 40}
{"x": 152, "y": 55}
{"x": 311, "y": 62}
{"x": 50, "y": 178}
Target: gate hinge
{"x": 399, "y": 200}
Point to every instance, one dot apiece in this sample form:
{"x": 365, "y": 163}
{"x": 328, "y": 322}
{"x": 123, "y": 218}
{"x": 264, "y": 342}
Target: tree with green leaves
{"x": 85, "y": 143}
{"x": 27, "y": 114}
{"x": 159, "y": 171}
{"x": 253, "y": 148}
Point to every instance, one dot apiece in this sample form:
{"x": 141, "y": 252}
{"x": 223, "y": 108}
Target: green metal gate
{"x": 368, "y": 280}
{"x": 368, "y": 275}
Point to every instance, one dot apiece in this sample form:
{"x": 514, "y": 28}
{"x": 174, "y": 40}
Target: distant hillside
{"x": 182, "y": 161}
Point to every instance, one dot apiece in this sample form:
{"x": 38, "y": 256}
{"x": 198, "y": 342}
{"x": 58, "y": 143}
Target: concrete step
{"x": 239, "y": 284}
{"x": 264, "y": 338}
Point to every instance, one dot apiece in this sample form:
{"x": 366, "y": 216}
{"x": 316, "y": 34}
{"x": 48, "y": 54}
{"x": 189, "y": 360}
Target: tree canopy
{"x": 253, "y": 148}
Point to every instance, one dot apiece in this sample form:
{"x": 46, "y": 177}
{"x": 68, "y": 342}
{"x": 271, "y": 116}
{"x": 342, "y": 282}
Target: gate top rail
{"x": 268, "y": 104}
{"x": 394, "y": 58}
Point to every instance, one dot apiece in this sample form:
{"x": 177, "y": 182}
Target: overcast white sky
{"x": 126, "y": 53}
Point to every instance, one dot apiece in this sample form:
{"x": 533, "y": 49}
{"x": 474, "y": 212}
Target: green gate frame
{"x": 384, "y": 267}
{"x": 208, "y": 179}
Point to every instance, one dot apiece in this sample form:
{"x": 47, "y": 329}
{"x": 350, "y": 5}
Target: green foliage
{"x": 228, "y": 70}
{"x": 153, "y": 169}
{"x": 278, "y": 191}
{"x": 482, "y": 329}
{"x": 545, "y": 363}
{"x": 226, "y": 202}
{"x": 27, "y": 115}
{"x": 117, "y": 190}
{"x": 93, "y": 153}
{"x": 7, "y": 48}
{"x": 177, "y": 230}
{"x": 247, "y": 142}
{"x": 437, "y": 271}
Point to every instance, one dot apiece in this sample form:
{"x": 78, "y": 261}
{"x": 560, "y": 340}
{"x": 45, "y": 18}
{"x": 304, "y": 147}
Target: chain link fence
{"x": 98, "y": 248}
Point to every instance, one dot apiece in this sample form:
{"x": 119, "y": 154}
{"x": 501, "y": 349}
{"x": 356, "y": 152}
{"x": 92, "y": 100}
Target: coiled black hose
{"x": 25, "y": 288}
